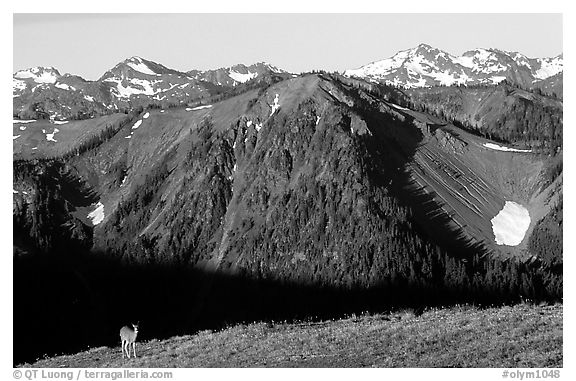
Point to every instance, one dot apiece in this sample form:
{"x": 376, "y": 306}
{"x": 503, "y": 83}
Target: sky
{"x": 88, "y": 44}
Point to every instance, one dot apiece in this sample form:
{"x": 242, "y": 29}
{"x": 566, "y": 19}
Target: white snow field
{"x": 276, "y": 105}
{"x": 239, "y": 77}
{"x": 97, "y": 215}
{"x": 510, "y": 224}
{"x": 38, "y": 74}
{"x": 50, "y": 137}
{"x": 399, "y": 107}
{"x": 198, "y": 108}
{"x": 137, "y": 64}
{"x": 549, "y": 67}
{"x": 502, "y": 148}
{"x": 64, "y": 86}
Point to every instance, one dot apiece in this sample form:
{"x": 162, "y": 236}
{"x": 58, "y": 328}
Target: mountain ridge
{"x": 132, "y": 82}
{"x": 137, "y": 81}
{"x": 426, "y": 66}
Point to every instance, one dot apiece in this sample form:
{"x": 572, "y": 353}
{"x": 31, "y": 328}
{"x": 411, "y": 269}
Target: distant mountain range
{"x": 425, "y": 66}
{"x": 43, "y": 93}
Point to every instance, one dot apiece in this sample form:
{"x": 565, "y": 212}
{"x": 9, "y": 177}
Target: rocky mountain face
{"x": 425, "y": 66}
{"x": 504, "y": 113}
{"x": 552, "y": 85}
{"x": 267, "y": 183}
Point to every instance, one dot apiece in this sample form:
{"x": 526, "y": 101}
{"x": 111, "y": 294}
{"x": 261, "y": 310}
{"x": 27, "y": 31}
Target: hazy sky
{"x": 90, "y": 44}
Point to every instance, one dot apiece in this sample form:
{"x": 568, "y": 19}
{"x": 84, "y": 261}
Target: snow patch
{"x": 398, "y": 107}
{"x": 198, "y": 108}
{"x": 140, "y": 66}
{"x": 17, "y": 86}
{"x": 510, "y": 224}
{"x": 14, "y": 137}
{"x": 317, "y": 119}
{"x": 22, "y": 128}
{"x": 33, "y": 148}
{"x": 137, "y": 124}
{"x": 506, "y": 149}
{"x": 239, "y": 77}
{"x": 89, "y": 98}
{"x": 146, "y": 115}
{"x": 50, "y": 137}
{"x": 161, "y": 110}
{"x": 248, "y": 123}
{"x": 497, "y": 79}
{"x": 64, "y": 86}
{"x": 143, "y": 87}
{"x": 60, "y": 121}
{"x": 276, "y": 105}
{"x": 549, "y": 67}
{"x": 38, "y": 74}
{"x": 258, "y": 126}
{"x": 97, "y": 215}
{"x": 23, "y": 121}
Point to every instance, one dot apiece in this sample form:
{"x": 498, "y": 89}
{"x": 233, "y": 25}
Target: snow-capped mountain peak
{"x": 425, "y": 66}
{"x": 235, "y": 75}
{"x": 549, "y": 67}
{"x": 140, "y": 65}
{"x": 39, "y": 74}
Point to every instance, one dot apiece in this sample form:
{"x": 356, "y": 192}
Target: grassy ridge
{"x": 512, "y": 336}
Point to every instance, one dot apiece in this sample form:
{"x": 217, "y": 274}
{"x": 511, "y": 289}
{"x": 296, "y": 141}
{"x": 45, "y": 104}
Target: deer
{"x": 128, "y": 336}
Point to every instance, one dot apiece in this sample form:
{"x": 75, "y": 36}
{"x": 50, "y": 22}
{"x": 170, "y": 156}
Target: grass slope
{"x": 512, "y": 336}
{"x": 32, "y": 142}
